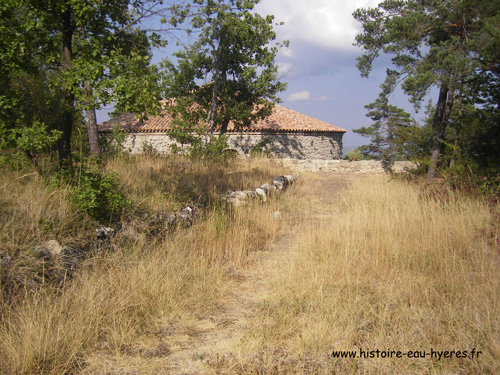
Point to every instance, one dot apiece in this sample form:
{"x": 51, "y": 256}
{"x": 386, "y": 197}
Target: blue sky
{"x": 322, "y": 77}
{"x": 320, "y": 64}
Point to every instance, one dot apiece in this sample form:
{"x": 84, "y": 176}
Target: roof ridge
{"x": 281, "y": 119}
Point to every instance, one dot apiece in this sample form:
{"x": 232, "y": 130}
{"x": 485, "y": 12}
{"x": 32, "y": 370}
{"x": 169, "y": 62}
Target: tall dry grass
{"x": 391, "y": 269}
{"x": 32, "y": 212}
{"x": 157, "y": 183}
{"x": 146, "y": 284}
{"x": 30, "y": 209}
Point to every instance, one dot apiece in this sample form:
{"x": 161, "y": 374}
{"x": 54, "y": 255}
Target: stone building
{"x": 285, "y": 133}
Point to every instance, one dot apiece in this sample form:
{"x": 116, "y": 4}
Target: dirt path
{"x": 218, "y": 335}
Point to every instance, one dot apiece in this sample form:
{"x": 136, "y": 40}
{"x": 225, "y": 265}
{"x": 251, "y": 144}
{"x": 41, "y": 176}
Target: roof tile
{"x": 281, "y": 120}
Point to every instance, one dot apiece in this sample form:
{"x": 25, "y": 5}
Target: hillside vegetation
{"x": 392, "y": 266}
{"x": 386, "y": 265}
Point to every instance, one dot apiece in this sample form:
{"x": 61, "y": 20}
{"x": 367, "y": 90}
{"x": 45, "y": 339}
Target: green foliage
{"x": 31, "y": 142}
{"x": 148, "y": 149}
{"x": 262, "y": 147}
{"x": 449, "y": 45}
{"x": 35, "y": 139}
{"x": 99, "y": 195}
{"x": 212, "y": 150}
{"x": 354, "y": 155}
{"x": 113, "y": 144}
{"x": 227, "y": 75}
{"x": 61, "y": 58}
{"x": 389, "y": 134}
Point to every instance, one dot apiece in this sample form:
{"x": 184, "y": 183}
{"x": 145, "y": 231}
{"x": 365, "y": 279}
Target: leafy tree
{"x": 84, "y": 53}
{"x": 120, "y": 73}
{"x": 434, "y": 43}
{"x": 29, "y": 106}
{"x": 227, "y": 74}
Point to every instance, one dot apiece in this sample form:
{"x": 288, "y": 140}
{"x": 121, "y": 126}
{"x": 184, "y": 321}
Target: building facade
{"x": 283, "y": 134}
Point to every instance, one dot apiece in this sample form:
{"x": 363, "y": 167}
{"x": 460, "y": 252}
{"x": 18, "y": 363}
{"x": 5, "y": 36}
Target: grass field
{"x": 391, "y": 269}
{"x": 379, "y": 265}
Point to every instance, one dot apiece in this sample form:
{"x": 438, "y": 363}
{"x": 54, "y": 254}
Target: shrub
{"x": 212, "y": 150}
{"x": 113, "y": 144}
{"x": 99, "y": 195}
{"x": 261, "y": 148}
{"x": 353, "y": 155}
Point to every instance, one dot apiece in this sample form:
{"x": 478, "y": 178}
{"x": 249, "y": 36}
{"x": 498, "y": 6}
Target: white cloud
{"x": 326, "y": 23}
{"x": 284, "y": 69}
{"x": 299, "y": 96}
{"x": 321, "y": 99}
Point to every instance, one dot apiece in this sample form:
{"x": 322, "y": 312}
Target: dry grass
{"x": 29, "y": 209}
{"x": 391, "y": 270}
{"x": 32, "y": 212}
{"x": 383, "y": 266}
{"x": 134, "y": 294}
{"x": 156, "y": 183}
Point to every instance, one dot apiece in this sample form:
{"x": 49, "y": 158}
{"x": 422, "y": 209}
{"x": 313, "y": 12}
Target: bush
{"x": 99, "y": 195}
{"x": 212, "y": 150}
{"x": 30, "y": 142}
{"x": 262, "y": 148}
{"x": 353, "y": 155}
{"x": 113, "y": 144}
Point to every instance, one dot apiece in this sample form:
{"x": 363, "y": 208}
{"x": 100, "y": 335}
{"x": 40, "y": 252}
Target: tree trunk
{"x": 66, "y": 124}
{"x": 90, "y": 120}
{"x": 219, "y": 80}
{"x": 458, "y": 128}
{"x": 92, "y": 132}
{"x": 213, "y": 107}
{"x": 223, "y": 129}
{"x": 441, "y": 115}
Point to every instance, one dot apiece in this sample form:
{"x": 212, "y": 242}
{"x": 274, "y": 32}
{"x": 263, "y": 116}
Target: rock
{"x": 170, "y": 219}
{"x": 237, "y": 198}
{"x": 291, "y": 179}
{"x": 234, "y": 199}
{"x": 239, "y": 195}
{"x": 42, "y": 252}
{"x": 103, "y": 233}
{"x": 260, "y": 192}
{"x": 281, "y": 182}
{"x": 278, "y": 185}
{"x": 277, "y": 215}
{"x": 5, "y": 260}
{"x": 53, "y": 247}
{"x": 103, "y": 237}
{"x": 250, "y": 193}
{"x": 267, "y": 188}
{"x": 185, "y": 216}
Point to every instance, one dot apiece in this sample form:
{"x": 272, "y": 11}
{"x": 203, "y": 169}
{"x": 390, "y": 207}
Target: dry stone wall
{"x": 300, "y": 152}
{"x": 302, "y": 146}
{"x": 345, "y": 166}
{"x": 326, "y": 146}
{"x": 263, "y": 192}
{"x": 135, "y": 143}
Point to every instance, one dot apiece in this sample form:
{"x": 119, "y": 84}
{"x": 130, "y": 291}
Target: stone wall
{"x": 135, "y": 143}
{"x": 326, "y": 146}
{"x": 345, "y": 166}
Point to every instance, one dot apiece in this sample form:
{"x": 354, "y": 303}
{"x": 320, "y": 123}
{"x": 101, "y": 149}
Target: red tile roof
{"x": 281, "y": 120}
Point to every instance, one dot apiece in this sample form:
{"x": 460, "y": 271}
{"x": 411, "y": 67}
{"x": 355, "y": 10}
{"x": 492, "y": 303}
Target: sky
{"x": 320, "y": 64}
